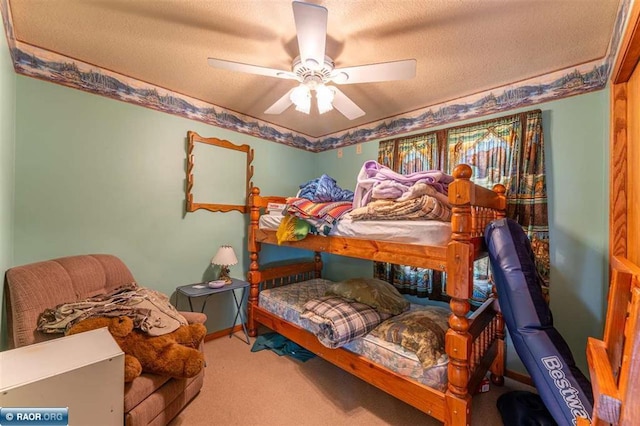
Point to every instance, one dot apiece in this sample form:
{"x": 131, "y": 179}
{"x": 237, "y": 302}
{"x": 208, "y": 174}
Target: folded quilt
{"x": 391, "y": 190}
{"x": 322, "y": 216}
{"x": 421, "y": 208}
{"x": 340, "y": 321}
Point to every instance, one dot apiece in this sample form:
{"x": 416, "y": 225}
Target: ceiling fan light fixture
{"x": 304, "y": 107}
{"x": 324, "y": 96}
{"x": 312, "y": 68}
{"x": 301, "y": 98}
{"x": 324, "y": 107}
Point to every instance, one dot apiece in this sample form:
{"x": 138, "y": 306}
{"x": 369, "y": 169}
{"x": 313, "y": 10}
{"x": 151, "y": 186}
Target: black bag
{"x": 523, "y": 408}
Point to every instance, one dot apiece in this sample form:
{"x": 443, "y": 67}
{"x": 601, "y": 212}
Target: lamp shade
{"x": 324, "y": 96}
{"x": 225, "y": 256}
{"x": 301, "y": 98}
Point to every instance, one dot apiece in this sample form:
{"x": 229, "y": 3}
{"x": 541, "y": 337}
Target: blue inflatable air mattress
{"x": 565, "y": 391}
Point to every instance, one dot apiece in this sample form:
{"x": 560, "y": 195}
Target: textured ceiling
{"x": 462, "y": 47}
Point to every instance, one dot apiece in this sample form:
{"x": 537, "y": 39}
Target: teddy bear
{"x": 173, "y": 354}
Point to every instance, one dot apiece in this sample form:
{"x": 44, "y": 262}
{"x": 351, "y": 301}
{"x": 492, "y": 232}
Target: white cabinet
{"x": 84, "y": 372}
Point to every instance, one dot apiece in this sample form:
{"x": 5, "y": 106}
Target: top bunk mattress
{"x": 420, "y": 232}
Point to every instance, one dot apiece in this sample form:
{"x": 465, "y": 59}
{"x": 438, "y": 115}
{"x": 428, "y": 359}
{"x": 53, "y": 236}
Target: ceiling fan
{"x": 313, "y": 69}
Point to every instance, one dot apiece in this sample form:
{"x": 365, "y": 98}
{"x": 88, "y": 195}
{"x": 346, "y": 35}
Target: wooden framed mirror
{"x": 223, "y": 173}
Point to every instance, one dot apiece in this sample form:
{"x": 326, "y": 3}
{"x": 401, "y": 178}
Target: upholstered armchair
{"x": 30, "y": 289}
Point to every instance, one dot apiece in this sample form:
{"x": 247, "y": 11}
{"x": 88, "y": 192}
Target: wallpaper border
{"x": 38, "y": 63}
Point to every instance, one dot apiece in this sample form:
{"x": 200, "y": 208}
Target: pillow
{"x": 420, "y": 331}
{"x": 371, "y": 291}
{"x": 292, "y": 229}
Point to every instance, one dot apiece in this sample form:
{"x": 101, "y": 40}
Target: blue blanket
{"x": 282, "y": 346}
{"x": 324, "y": 189}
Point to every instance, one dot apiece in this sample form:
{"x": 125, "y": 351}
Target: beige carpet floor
{"x": 261, "y": 388}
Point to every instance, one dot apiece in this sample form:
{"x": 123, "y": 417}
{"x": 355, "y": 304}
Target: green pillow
{"x": 292, "y": 228}
{"x": 420, "y": 331}
{"x": 371, "y": 291}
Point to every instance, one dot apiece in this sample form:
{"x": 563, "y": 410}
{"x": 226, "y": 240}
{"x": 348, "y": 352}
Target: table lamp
{"x": 225, "y": 257}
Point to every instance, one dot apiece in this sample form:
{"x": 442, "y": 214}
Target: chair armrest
{"x": 194, "y": 317}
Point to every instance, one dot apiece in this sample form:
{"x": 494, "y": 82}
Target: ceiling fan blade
{"x": 311, "y": 27}
{"x": 281, "y": 104}
{"x": 385, "y": 71}
{"x": 251, "y": 69}
{"x": 345, "y": 105}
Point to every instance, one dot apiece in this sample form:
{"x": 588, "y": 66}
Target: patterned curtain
{"x": 409, "y": 155}
{"x": 387, "y": 153}
{"x": 418, "y": 153}
{"x": 527, "y": 194}
{"x": 507, "y": 150}
{"x": 490, "y": 149}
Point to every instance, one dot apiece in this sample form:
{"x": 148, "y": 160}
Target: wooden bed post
{"x": 498, "y": 366}
{"x": 458, "y": 341}
{"x": 253, "y": 276}
{"x": 317, "y": 260}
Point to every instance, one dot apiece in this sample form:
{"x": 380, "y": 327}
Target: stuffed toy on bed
{"x": 173, "y": 354}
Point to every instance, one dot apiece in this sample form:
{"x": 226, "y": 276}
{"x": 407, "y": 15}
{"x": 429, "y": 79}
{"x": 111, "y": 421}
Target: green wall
{"x": 576, "y": 151}
{"x": 7, "y": 146}
{"x": 95, "y": 175}
{"x": 98, "y": 175}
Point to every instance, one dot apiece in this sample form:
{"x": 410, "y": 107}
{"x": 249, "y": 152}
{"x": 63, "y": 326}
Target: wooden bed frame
{"x": 614, "y": 361}
{"x": 474, "y": 343}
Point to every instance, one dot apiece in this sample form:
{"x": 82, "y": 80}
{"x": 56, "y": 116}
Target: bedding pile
{"x": 410, "y": 343}
{"x": 320, "y": 216}
{"x": 315, "y": 209}
{"x": 376, "y": 181}
{"x": 423, "y": 207}
{"x": 352, "y": 308}
{"x": 324, "y": 189}
{"x": 381, "y": 194}
{"x": 150, "y": 311}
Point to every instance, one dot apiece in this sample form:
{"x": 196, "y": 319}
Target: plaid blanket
{"x": 340, "y": 320}
{"x": 322, "y": 216}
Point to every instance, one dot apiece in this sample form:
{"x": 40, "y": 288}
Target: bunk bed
{"x": 474, "y": 342}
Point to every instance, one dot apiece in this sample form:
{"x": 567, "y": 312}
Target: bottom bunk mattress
{"x": 288, "y": 302}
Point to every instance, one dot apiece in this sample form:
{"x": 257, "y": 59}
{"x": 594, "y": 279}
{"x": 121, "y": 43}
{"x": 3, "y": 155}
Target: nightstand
{"x": 203, "y": 290}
